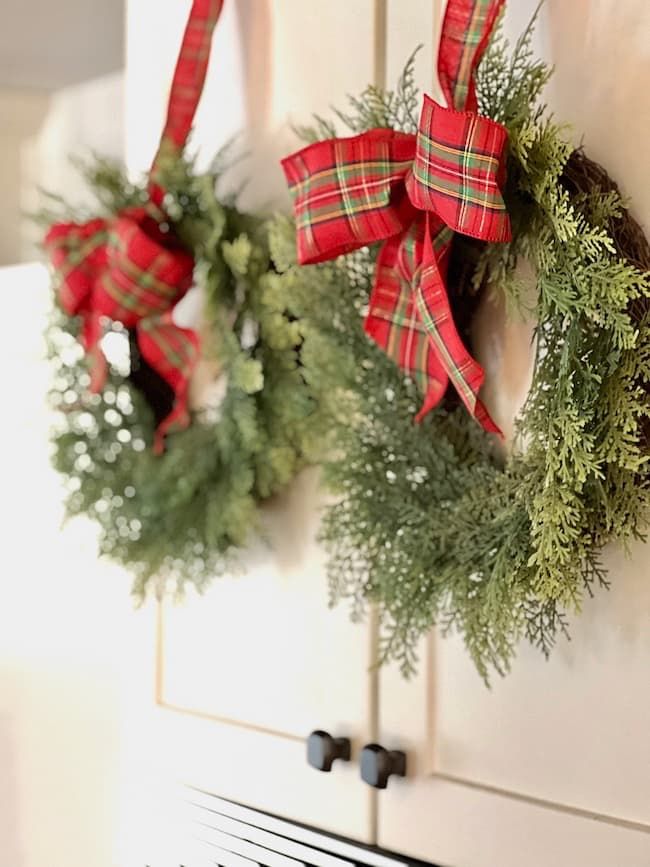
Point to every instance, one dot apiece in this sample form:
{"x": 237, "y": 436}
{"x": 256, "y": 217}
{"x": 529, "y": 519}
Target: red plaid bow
{"x": 131, "y": 268}
{"x": 413, "y": 192}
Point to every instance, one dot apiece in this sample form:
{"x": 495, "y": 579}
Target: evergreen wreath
{"x": 173, "y": 500}
{"x": 180, "y": 516}
{"x": 432, "y": 522}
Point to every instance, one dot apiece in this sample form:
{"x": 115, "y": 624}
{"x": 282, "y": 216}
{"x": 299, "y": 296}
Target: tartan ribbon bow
{"x": 413, "y": 192}
{"x": 131, "y": 268}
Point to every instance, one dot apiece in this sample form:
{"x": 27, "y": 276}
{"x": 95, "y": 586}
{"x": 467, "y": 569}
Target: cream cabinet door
{"x": 246, "y": 671}
{"x": 552, "y": 765}
{"x": 549, "y": 766}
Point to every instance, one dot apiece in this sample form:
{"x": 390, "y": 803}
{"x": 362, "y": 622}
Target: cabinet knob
{"x": 378, "y": 764}
{"x": 323, "y": 750}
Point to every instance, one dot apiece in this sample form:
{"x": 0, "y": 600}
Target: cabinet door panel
{"x": 457, "y": 825}
{"x": 573, "y": 729}
{"x": 247, "y": 670}
{"x": 552, "y": 765}
{"x": 262, "y": 647}
{"x": 559, "y": 749}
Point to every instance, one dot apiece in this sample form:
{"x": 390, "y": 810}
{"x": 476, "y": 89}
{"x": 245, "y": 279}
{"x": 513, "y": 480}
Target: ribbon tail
{"x": 91, "y": 334}
{"x": 432, "y": 301}
{"x": 172, "y": 352}
{"x": 187, "y": 84}
{"x": 178, "y": 419}
{"x": 394, "y": 324}
{"x": 432, "y": 398}
{"x": 465, "y": 34}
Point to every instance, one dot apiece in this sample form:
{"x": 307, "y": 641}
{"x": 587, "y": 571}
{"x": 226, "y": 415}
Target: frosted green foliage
{"x": 430, "y": 523}
{"x": 180, "y": 517}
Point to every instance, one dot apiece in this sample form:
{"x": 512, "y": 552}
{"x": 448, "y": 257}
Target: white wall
{"x": 46, "y": 45}
{"x": 39, "y": 132}
{"x": 601, "y": 52}
{"x": 80, "y": 120}
{"x": 21, "y": 114}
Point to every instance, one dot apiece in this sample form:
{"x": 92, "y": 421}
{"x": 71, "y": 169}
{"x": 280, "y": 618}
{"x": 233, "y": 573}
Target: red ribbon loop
{"x": 146, "y": 273}
{"x": 413, "y": 192}
{"x": 458, "y": 167}
{"x": 339, "y": 208}
{"x": 132, "y": 269}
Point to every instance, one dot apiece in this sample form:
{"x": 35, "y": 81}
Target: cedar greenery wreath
{"x": 433, "y": 523}
{"x": 173, "y": 500}
{"x": 178, "y": 516}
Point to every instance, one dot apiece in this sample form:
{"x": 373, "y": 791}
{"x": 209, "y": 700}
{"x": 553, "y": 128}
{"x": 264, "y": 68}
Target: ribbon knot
{"x": 132, "y": 268}
{"x": 412, "y": 192}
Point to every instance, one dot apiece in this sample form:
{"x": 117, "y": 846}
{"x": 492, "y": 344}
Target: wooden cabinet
{"x": 552, "y": 765}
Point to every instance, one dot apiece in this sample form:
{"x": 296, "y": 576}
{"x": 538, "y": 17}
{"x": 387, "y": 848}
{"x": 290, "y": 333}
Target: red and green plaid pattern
{"x": 413, "y": 192}
{"x": 77, "y": 253}
{"x": 127, "y": 269}
{"x": 433, "y": 305}
{"x": 347, "y": 192}
{"x": 172, "y": 352}
{"x": 466, "y": 31}
{"x": 191, "y": 69}
{"x": 393, "y": 320}
{"x": 187, "y": 83}
{"x": 456, "y": 172}
{"x": 147, "y": 272}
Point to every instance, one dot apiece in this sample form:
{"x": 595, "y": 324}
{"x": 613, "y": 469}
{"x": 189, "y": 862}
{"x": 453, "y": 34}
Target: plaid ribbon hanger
{"x": 131, "y": 268}
{"x": 413, "y": 192}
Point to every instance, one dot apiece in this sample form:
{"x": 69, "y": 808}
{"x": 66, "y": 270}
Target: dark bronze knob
{"x": 378, "y": 764}
{"x": 323, "y": 750}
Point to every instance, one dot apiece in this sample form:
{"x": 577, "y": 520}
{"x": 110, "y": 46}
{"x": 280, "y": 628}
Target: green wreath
{"x": 182, "y": 515}
{"x": 432, "y": 523}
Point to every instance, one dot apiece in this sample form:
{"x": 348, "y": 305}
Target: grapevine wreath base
{"x": 180, "y": 516}
{"x": 434, "y": 523}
